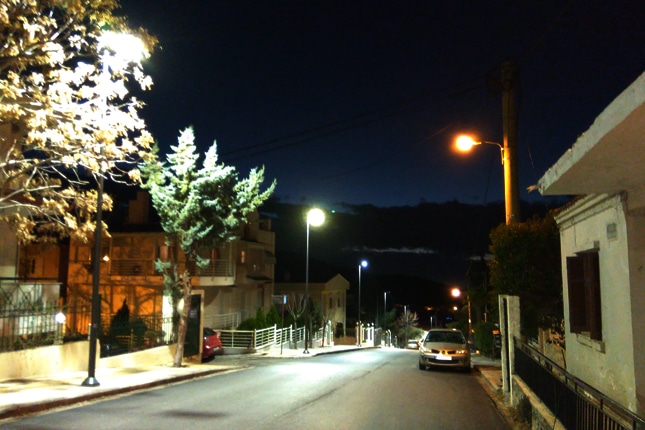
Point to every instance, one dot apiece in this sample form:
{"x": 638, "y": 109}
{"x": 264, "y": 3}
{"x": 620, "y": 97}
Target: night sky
{"x": 359, "y": 101}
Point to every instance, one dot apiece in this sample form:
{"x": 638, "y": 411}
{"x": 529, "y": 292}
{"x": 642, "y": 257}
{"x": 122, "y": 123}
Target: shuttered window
{"x": 583, "y": 279}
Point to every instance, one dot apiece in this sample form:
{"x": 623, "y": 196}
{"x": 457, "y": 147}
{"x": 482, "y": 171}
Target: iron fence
{"x": 576, "y": 404}
{"x": 23, "y": 326}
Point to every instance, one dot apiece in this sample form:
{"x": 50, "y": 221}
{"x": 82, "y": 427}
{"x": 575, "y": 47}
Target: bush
{"x": 273, "y": 318}
{"x": 247, "y": 324}
{"x": 484, "y": 337}
{"x": 260, "y": 319}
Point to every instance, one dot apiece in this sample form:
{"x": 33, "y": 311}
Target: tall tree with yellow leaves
{"x": 65, "y": 113}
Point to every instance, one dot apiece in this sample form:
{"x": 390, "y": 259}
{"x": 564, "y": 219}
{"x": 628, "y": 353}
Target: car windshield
{"x": 445, "y": 337}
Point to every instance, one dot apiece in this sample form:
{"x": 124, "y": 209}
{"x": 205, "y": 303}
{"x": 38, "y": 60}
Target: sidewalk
{"x": 25, "y": 396}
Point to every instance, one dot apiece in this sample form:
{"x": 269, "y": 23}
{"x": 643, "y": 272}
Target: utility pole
{"x": 509, "y": 117}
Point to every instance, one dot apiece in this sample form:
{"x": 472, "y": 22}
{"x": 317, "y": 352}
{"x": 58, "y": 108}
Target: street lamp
{"x": 362, "y": 265}
{"x": 456, "y": 292}
{"x": 315, "y": 217}
{"x": 465, "y": 143}
{"x": 385, "y": 309}
{"x": 117, "y": 51}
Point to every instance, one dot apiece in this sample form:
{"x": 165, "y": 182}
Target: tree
{"x": 65, "y": 114}
{"x": 296, "y": 305}
{"x": 199, "y": 208}
{"x": 527, "y": 264}
{"x": 407, "y": 325}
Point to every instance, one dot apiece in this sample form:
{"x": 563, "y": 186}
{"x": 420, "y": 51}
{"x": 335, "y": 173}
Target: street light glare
{"x": 455, "y": 292}
{"x": 465, "y": 143}
{"x": 315, "y": 217}
{"x": 364, "y": 263}
{"x": 127, "y": 47}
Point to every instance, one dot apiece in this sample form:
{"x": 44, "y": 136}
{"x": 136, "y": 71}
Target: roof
{"x": 609, "y": 156}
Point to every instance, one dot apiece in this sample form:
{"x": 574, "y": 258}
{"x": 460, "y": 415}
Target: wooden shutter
{"x": 577, "y": 295}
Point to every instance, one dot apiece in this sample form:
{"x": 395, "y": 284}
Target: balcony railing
{"x": 217, "y": 268}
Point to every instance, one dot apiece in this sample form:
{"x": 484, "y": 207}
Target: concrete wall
{"x": 73, "y": 357}
{"x": 636, "y": 248}
{"x": 27, "y": 363}
{"x": 598, "y": 222}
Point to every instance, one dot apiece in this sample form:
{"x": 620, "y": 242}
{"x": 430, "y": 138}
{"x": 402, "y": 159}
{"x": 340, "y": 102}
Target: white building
{"x": 603, "y": 249}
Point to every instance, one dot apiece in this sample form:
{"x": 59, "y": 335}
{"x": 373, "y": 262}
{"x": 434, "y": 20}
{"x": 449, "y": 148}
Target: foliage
{"x": 260, "y": 319}
{"x": 273, "y": 317}
{"x": 247, "y": 324}
{"x": 407, "y": 326}
{"x": 527, "y": 264}
{"x": 484, "y": 339}
{"x": 65, "y": 114}
{"x": 119, "y": 325}
{"x": 199, "y": 208}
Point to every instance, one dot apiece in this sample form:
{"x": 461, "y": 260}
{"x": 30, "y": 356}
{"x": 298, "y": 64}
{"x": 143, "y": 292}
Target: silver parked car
{"x": 444, "y": 348}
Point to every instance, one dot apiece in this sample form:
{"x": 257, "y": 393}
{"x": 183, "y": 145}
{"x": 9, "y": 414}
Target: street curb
{"x": 22, "y": 410}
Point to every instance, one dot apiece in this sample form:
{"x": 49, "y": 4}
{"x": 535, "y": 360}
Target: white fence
{"x": 266, "y": 338}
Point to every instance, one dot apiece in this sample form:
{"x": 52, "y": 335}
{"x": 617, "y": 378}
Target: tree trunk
{"x": 187, "y": 289}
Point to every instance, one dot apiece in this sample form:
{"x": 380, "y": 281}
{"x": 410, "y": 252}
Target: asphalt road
{"x": 369, "y": 389}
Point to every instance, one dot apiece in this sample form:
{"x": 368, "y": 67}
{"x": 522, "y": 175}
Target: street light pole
{"x": 509, "y": 118}
{"x": 126, "y": 48}
{"x": 315, "y": 217}
{"x": 359, "y": 327}
{"x": 384, "y": 309}
{"x": 509, "y": 146}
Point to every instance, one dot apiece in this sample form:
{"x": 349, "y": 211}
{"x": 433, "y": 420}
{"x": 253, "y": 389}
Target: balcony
{"x": 218, "y": 272}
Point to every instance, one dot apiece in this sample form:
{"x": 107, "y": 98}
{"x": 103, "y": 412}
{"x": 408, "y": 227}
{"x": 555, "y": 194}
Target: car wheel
{"x": 421, "y": 366}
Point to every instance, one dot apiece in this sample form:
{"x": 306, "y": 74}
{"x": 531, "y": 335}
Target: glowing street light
{"x": 465, "y": 143}
{"x": 117, "y": 51}
{"x": 315, "y": 217}
{"x": 456, "y": 293}
{"x": 362, "y": 265}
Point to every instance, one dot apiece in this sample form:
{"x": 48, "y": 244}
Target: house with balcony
{"x": 237, "y": 282}
{"x": 603, "y": 249}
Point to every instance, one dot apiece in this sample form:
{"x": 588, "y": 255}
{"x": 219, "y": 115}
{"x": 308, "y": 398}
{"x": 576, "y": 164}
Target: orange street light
{"x": 464, "y": 143}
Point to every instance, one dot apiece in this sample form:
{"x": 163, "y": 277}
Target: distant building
{"x": 332, "y": 296}
{"x": 603, "y": 249}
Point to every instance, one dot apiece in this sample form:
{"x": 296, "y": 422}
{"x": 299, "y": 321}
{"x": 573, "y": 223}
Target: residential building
{"x": 237, "y": 282}
{"x": 331, "y": 295}
{"x": 603, "y": 249}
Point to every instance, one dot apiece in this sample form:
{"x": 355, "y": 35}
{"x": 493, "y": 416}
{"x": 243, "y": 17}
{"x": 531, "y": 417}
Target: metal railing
{"x": 130, "y": 267}
{"x": 265, "y": 338}
{"x": 576, "y": 404}
{"x": 223, "y": 321}
{"x": 22, "y": 326}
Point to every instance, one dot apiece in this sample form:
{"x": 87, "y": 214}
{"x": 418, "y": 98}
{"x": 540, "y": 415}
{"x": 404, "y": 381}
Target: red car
{"x": 211, "y": 345}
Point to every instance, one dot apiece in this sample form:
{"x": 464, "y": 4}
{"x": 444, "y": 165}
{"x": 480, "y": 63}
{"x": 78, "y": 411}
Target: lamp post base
{"x": 90, "y": 381}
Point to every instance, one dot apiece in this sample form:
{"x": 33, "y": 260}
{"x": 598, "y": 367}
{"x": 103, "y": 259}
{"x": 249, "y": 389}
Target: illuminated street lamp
{"x": 456, "y": 293}
{"x": 117, "y": 51}
{"x": 465, "y": 143}
{"x": 362, "y": 265}
{"x": 315, "y": 217}
{"x": 385, "y": 309}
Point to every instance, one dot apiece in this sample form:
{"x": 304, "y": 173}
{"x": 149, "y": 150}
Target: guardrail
{"x": 576, "y": 404}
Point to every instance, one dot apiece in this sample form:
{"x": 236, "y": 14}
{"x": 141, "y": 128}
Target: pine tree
{"x": 199, "y": 208}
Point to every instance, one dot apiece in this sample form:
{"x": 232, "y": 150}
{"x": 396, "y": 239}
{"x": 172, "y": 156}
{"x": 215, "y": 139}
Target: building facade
{"x": 238, "y": 280}
{"x": 603, "y": 249}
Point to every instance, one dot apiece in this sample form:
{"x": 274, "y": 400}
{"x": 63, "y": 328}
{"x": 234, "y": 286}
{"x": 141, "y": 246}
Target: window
{"x": 583, "y": 277}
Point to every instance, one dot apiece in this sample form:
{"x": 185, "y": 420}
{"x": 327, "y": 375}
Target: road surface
{"x": 367, "y": 389}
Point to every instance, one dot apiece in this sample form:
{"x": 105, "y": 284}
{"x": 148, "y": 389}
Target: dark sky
{"x": 359, "y": 101}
